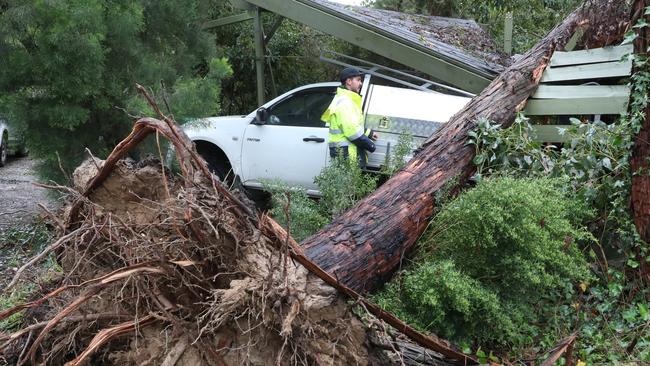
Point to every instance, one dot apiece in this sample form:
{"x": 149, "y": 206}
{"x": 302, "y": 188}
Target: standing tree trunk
{"x": 365, "y": 245}
{"x": 641, "y": 150}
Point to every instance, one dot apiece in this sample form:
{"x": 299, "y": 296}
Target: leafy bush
{"x": 437, "y": 296}
{"x": 69, "y": 69}
{"x": 489, "y": 257}
{"x": 517, "y": 235}
{"x": 294, "y": 210}
{"x": 594, "y": 162}
{"x": 396, "y": 159}
{"x": 343, "y": 184}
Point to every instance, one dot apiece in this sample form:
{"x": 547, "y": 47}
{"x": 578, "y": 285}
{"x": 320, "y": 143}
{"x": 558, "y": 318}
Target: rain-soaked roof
{"x": 458, "y": 41}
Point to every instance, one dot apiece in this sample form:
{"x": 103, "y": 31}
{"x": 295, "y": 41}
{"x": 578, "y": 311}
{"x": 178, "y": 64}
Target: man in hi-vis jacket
{"x": 344, "y": 117}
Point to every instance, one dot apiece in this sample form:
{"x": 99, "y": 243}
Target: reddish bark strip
{"x": 640, "y": 164}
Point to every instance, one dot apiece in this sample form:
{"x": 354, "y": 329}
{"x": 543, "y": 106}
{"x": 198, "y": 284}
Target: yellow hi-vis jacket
{"x": 345, "y": 120}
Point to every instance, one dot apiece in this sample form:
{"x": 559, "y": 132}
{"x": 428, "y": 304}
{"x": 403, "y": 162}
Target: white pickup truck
{"x": 286, "y": 140}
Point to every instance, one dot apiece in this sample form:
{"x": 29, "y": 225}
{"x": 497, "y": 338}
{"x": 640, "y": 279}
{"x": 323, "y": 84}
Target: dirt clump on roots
{"x": 162, "y": 270}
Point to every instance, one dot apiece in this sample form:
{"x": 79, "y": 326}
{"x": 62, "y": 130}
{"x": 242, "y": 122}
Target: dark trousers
{"x": 342, "y": 151}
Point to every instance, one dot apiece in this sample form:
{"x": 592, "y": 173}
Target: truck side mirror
{"x": 261, "y": 117}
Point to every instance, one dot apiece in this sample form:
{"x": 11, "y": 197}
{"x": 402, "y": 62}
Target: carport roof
{"x": 460, "y": 40}
{"x": 457, "y": 52}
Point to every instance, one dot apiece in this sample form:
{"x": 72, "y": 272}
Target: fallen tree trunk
{"x": 362, "y": 247}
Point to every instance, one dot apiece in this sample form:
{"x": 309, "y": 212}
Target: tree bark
{"x": 640, "y": 195}
{"x": 363, "y": 247}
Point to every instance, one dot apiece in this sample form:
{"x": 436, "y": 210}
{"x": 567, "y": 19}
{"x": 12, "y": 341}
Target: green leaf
{"x": 630, "y": 314}
{"x": 632, "y": 263}
{"x": 575, "y": 122}
{"x": 607, "y": 164}
{"x": 493, "y": 358}
{"x": 643, "y": 311}
{"x": 630, "y": 36}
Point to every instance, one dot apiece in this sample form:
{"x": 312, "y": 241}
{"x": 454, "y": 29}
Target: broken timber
{"x": 363, "y": 247}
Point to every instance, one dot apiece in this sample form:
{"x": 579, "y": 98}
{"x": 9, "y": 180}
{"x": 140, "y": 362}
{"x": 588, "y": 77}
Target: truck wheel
{"x": 3, "y": 150}
{"x": 219, "y": 168}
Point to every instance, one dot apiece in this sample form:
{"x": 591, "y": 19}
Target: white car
{"x": 286, "y": 140}
{"x": 4, "y": 142}
{"x": 10, "y": 142}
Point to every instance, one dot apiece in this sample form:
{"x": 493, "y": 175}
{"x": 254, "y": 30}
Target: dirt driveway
{"x": 18, "y": 196}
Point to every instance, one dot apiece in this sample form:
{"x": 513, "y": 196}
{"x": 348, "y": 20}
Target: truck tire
{"x": 219, "y": 168}
{"x": 219, "y": 165}
{"x": 218, "y": 162}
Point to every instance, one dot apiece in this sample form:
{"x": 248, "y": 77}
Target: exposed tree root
{"x": 107, "y": 334}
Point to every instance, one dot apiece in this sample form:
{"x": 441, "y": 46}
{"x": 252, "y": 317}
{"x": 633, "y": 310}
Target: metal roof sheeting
{"x": 458, "y": 41}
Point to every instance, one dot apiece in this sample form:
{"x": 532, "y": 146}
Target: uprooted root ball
{"x": 162, "y": 271}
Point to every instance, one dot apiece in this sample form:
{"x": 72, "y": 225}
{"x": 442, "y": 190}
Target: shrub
{"x": 594, "y": 162}
{"x": 293, "y": 209}
{"x": 489, "y": 257}
{"x": 436, "y": 296}
{"x": 342, "y": 185}
{"x": 396, "y": 159}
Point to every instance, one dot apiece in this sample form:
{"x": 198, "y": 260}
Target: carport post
{"x": 507, "y": 34}
{"x": 259, "y": 54}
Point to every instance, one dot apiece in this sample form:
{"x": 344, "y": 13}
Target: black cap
{"x": 349, "y": 72}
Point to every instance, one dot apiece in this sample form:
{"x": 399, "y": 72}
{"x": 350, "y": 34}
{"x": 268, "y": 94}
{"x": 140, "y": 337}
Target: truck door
{"x": 292, "y": 145}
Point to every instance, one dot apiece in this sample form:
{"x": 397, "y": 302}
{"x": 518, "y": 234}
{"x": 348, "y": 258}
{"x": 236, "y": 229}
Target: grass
{"x": 17, "y": 244}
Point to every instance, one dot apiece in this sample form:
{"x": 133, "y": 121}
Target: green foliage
{"x": 291, "y": 59}
{"x": 526, "y": 229}
{"x": 19, "y": 243}
{"x": 294, "y": 210}
{"x": 610, "y": 316}
{"x": 396, "y": 160}
{"x": 34, "y": 237}
{"x": 17, "y": 297}
{"x": 437, "y": 296}
{"x": 191, "y": 97}
{"x": 489, "y": 258}
{"x": 69, "y": 67}
{"x": 342, "y": 184}
{"x": 613, "y": 321}
{"x": 594, "y": 163}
